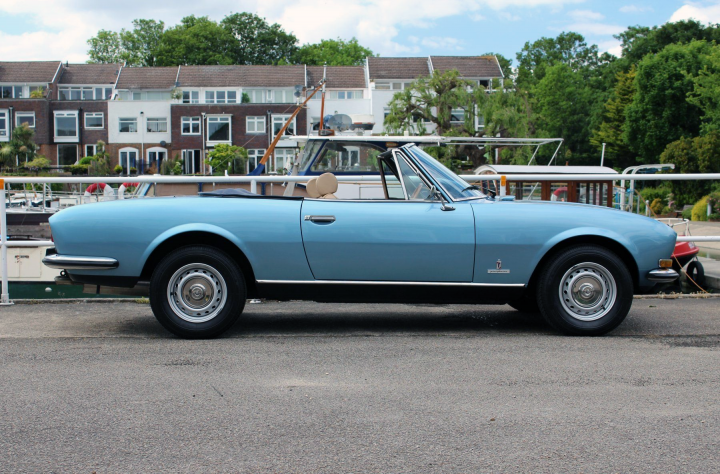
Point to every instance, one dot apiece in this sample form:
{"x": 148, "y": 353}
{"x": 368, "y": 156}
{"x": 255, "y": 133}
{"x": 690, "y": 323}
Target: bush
{"x": 86, "y": 160}
{"x": 715, "y": 216}
{"x": 656, "y": 206}
{"x": 118, "y": 169}
{"x": 687, "y": 213}
{"x": 78, "y": 169}
{"x": 699, "y": 210}
{"x": 133, "y": 170}
{"x": 693, "y": 155}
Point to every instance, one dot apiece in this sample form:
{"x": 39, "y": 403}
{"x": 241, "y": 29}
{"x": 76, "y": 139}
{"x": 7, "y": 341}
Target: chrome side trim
{"x": 69, "y": 262}
{"x": 390, "y": 283}
{"x": 662, "y": 274}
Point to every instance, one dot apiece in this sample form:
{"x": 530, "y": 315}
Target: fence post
{"x": 5, "y": 297}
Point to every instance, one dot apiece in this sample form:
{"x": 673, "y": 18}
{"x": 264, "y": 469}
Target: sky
{"x": 59, "y": 29}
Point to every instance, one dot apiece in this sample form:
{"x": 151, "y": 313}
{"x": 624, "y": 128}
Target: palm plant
{"x": 21, "y": 145}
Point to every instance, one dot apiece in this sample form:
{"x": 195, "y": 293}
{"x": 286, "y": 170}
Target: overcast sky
{"x": 59, "y": 29}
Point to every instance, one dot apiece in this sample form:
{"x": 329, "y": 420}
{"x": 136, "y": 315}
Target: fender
{"x": 197, "y": 227}
{"x": 585, "y": 232}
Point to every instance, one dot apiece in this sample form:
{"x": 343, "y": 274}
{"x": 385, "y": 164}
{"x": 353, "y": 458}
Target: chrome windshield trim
{"x": 71, "y": 262}
{"x": 396, "y": 283}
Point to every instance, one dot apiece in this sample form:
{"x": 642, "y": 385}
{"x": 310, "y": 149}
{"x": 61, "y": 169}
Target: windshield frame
{"x": 412, "y": 151}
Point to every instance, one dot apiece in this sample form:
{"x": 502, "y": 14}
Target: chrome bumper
{"x": 69, "y": 262}
{"x": 663, "y": 275}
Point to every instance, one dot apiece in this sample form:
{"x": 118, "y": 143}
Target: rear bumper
{"x": 72, "y": 262}
{"x": 662, "y": 275}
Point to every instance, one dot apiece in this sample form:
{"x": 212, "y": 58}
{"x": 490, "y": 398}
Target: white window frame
{"x": 94, "y": 115}
{"x": 219, "y": 119}
{"x": 18, "y": 115}
{"x": 5, "y": 131}
{"x": 77, "y": 153}
{"x": 193, "y": 97}
{"x": 66, "y": 113}
{"x": 94, "y": 148}
{"x": 127, "y": 119}
{"x": 13, "y": 90}
{"x": 157, "y": 120}
{"x": 211, "y": 96}
{"x": 192, "y": 121}
{"x": 335, "y": 95}
{"x": 286, "y": 153}
{"x": 125, "y": 165}
{"x": 257, "y": 121}
{"x": 188, "y": 153}
{"x": 282, "y": 118}
{"x": 254, "y": 155}
{"x": 156, "y": 149}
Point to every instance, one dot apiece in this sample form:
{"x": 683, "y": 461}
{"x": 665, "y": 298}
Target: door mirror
{"x": 436, "y": 195}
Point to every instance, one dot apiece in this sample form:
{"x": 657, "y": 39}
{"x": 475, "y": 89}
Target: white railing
{"x": 254, "y": 180}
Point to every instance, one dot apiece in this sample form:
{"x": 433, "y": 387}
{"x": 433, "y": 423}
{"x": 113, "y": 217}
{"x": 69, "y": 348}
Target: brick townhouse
{"x": 147, "y": 115}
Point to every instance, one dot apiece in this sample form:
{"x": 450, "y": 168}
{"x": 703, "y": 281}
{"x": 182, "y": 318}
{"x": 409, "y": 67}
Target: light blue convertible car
{"x": 432, "y": 239}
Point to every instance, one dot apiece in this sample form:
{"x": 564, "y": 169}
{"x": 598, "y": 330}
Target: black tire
{"x": 696, "y": 271}
{"x": 527, "y": 304}
{"x": 214, "y": 292}
{"x": 603, "y": 291}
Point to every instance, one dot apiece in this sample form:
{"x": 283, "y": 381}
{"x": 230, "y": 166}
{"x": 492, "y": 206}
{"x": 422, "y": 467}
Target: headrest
{"x": 311, "y": 188}
{"x": 327, "y": 184}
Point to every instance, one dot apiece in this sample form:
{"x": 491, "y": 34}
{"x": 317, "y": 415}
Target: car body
{"x": 440, "y": 246}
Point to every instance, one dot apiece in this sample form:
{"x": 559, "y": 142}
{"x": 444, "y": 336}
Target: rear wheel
{"x": 197, "y": 292}
{"x": 585, "y": 290}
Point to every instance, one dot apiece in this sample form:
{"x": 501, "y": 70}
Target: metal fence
{"x": 254, "y": 180}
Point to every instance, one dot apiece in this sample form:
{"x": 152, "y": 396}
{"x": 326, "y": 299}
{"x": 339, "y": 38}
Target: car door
{"x": 388, "y": 240}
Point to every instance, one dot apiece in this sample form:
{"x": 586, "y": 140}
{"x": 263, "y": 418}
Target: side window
{"x": 392, "y": 182}
{"x": 347, "y": 157}
{"x": 414, "y": 185}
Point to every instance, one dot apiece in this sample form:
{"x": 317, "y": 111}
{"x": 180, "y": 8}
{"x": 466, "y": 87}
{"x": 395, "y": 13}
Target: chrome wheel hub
{"x": 587, "y": 291}
{"x": 197, "y": 292}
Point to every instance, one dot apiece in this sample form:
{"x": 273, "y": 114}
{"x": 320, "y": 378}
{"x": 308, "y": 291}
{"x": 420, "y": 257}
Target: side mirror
{"x": 436, "y": 195}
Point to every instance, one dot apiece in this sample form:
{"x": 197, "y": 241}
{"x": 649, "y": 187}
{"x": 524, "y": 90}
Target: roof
{"x": 273, "y": 76}
{"x": 147, "y": 77}
{"x": 28, "y": 71}
{"x": 397, "y": 68}
{"x": 90, "y": 73}
{"x": 468, "y": 66}
{"x": 338, "y": 76}
{"x": 539, "y": 169}
{"x": 210, "y": 76}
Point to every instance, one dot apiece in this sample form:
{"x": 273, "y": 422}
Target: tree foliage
{"x": 21, "y": 147}
{"x": 612, "y": 129}
{"x": 136, "y": 47}
{"x": 660, "y": 112}
{"x": 228, "y": 158}
{"x": 335, "y": 52}
{"x": 257, "y": 41}
{"x": 196, "y": 41}
{"x": 693, "y": 155}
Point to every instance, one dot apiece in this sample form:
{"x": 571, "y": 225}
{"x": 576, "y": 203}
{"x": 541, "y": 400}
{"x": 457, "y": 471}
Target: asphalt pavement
{"x": 306, "y": 387}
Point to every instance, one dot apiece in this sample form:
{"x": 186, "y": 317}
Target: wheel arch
{"x": 201, "y": 237}
{"x": 602, "y": 241}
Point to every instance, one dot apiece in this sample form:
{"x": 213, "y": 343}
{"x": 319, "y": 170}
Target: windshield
{"x": 455, "y": 186}
{"x": 309, "y": 152}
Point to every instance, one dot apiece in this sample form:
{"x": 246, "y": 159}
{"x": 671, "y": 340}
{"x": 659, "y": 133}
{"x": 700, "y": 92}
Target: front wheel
{"x": 585, "y": 290}
{"x": 197, "y": 292}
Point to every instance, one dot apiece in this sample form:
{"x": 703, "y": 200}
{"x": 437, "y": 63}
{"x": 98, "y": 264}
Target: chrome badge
{"x": 498, "y": 268}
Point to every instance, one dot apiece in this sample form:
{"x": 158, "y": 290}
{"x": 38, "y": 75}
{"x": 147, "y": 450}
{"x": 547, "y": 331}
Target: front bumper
{"x": 665, "y": 275}
{"x": 70, "y": 262}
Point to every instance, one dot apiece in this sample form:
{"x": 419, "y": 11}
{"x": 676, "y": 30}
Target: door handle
{"x": 320, "y": 218}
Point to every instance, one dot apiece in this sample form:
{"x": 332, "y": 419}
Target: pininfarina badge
{"x": 498, "y": 268}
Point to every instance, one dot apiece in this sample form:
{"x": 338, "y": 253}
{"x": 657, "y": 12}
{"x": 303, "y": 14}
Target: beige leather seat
{"x": 327, "y": 185}
{"x": 311, "y": 188}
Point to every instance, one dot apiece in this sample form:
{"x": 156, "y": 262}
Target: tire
{"x": 696, "y": 271}
{"x": 527, "y": 304}
{"x": 212, "y": 295}
{"x": 602, "y": 296}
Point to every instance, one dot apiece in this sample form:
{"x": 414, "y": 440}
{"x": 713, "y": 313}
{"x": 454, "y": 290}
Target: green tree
{"x": 228, "y": 158}
{"x": 693, "y": 155}
{"x": 136, "y": 47}
{"x": 660, "y": 112}
{"x": 333, "y": 53}
{"x": 21, "y": 147}
{"x": 639, "y": 41}
{"x": 569, "y": 49}
{"x": 196, "y": 41}
{"x": 105, "y": 48}
{"x": 257, "y": 41}
{"x": 706, "y": 92}
{"x": 612, "y": 129}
